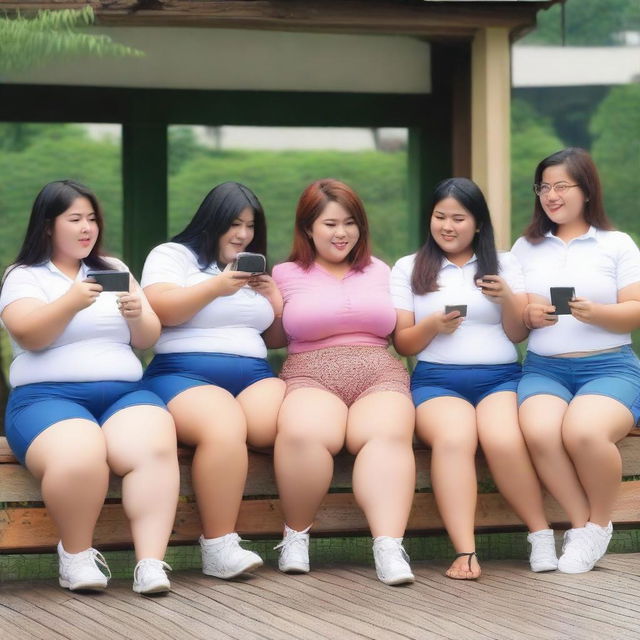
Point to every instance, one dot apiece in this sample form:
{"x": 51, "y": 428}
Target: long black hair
{"x": 214, "y": 217}
{"x": 55, "y": 198}
{"x": 429, "y": 258}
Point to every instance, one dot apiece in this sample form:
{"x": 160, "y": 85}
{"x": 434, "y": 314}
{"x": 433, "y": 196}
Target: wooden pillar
{"x": 490, "y": 125}
{"x": 144, "y": 184}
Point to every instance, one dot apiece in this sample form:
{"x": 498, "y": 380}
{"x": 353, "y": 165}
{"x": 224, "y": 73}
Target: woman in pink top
{"x": 344, "y": 388}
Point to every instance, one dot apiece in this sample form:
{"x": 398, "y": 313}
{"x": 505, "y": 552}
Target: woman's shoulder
{"x": 115, "y": 263}
{"x": 378, "y": 265}
{"x": 507, "y": 259}
{"x": 284, "y": 269}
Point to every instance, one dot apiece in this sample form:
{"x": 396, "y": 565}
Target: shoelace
{"x": 148, "y": 565}
{"x": 585, "y": 549}
{"x": 292, "y": 538}
{"x": 96, "y": 556}
{"x": 389, "y": 546}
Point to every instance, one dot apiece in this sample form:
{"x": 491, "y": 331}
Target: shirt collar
{"x": 82, "y": 271}
{"x": 590, "y": 233}
{"x": 447, "y": 263}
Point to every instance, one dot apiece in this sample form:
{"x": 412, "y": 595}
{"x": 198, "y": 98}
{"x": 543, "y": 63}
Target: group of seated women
{"x": 82, "y": 407}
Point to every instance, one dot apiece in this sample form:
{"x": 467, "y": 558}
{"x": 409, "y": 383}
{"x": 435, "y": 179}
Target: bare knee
{"x": 79, "y": 471}
{"x": 580, "y": 436}
{"x": 452, "y": 444}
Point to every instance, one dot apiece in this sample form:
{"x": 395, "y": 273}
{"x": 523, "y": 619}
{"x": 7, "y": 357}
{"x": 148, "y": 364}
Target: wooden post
{"x": 490, "y": 125}
{"x": 144, "y": 184}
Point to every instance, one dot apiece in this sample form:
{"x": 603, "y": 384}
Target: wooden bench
{"x": 26, "y": 526}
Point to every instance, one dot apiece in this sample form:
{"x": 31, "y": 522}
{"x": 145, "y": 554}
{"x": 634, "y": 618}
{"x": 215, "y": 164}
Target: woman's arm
{"x": 143, "y": 323}
{"x": 274, "y": 337}
{"x": 411, "y": 337}
{"x": 623, "y": 317}
{"x": 176, "y": 305}
{"x": 35, "y": 324}
{"x": 513, "y": 304}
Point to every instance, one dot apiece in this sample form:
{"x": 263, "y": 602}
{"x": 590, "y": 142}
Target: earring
{"x": 477, "y": 230}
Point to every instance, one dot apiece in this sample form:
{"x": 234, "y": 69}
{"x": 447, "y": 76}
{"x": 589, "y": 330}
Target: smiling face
{"x": 237, "y": 237}
{"x": 565, "y": 208}
{"x": 74, "y": 232}
{"x": 453, "y": 229}
{"x": 334, "y": 234}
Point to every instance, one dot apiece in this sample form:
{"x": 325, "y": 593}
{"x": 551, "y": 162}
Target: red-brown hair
{"x": 312, "y": 203}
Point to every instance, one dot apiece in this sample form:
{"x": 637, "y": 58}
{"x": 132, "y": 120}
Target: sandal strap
{"x": 467, "y": 553}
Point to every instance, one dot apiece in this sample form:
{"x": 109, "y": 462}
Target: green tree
{"x": 616, "y": 150}
{"x": 26, "y": 43}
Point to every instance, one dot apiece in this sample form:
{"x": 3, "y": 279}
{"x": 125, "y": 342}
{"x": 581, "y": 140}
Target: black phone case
{"x": 462, "y": 308}
{"x": 111, "y": 280}
{"x": 560, "y": 297}
{"x": 250, "y": 263}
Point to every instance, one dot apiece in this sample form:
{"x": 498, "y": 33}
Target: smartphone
{"x": 560, "y": 297}
{"x": 249, "y": 262}
{"x": 486, "y": 281}
{"x": 111, "y": 280}
{"x": 462, "y": 308}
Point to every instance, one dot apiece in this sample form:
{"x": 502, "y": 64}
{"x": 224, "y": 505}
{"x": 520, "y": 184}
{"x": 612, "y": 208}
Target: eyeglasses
{"x": 559, "y": 187}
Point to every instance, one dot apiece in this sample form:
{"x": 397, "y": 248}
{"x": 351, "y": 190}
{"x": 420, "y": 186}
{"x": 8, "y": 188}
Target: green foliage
{"x": 29, "y": 42}
{"x": 532, "y": 138}
{"x": 587, "y": 22}
{"x": 616, "y": 150}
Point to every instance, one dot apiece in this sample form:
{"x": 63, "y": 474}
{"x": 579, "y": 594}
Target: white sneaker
{"x": 294, "y": 551}
{"x": 583, "y": 547}
{"x": 392, "y": 561}
{"x": 543, "y": 551}
{"x": 82, "y": 570}
{"x": 223, "y": 557}
{"x": 149, "y": 576}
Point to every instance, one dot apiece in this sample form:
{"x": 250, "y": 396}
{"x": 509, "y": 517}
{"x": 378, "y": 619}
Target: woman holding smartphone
{"x": 210, "y": 365}
{"x": 580, "y": 392}
{"x": 464, "y": 385}
{"x": 344, "y": 388}
{"x": 77, "y": 409}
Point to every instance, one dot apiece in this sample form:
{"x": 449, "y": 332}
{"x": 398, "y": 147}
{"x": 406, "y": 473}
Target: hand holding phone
{"x": 560, "y": 297}
{"x": 461, "y": 308}
{"x": 249, "y": 263}
{"x": 111, "y": 279}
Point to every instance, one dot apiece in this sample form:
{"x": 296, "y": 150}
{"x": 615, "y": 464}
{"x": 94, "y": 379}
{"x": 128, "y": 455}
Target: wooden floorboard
{"x": 342, "y": 602}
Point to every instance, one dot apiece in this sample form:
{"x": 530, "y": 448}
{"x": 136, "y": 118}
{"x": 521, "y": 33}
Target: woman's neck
{"x": 70, "y": 268}
{"x": 571, "y": 230}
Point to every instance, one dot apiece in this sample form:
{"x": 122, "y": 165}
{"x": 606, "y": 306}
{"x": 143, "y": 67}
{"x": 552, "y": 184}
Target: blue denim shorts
{"x": 169, "y": 374}
{"x": 615, "y": 375}
{"x": 469, "y": 382}
{"x": 32, "y": 408}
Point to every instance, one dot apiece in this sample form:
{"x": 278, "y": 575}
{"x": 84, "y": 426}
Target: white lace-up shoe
{"x": 583, "y": 547}
{"x": 149, "y": 576}
{"x": 392, "y": 561}
{"x": 82, "y": 570}
{"x": 294, "y": 551}
{"x": 543, "y": 551}
{"x": 223, "y": 557}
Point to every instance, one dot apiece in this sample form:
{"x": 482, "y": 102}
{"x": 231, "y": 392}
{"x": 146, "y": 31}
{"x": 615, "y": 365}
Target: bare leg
{"x": 506, "y": 452}
{"x": 211, "y": 420}
{"x": 261, "y": 403}
{"x": 70, "y": 460}
{"x": 379, "y": 431}
{"x": 541, "y": 419}
{"x": 311, "y": 430}
{"x": 141, "y": 445}
{"x": 448, "y": 426}
{"x": 592, "y": 426}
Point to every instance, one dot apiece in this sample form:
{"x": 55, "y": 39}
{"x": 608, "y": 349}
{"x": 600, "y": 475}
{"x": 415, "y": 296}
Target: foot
{"x": 583, "y": 547}
{"x": 543, "y": 551}
{"x": 294, "y": 551}
{"x": 224, "y": 558}
{"x": 392, "y": 561}
{"x": 82, "y": 570}
{"x": 149, "y": 576}
{"x": 464, "y": 567}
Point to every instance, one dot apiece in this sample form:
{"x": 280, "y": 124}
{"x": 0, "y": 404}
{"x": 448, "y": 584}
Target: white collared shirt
{"x": 93, "y": 346}
{"x": 229, "y": 324}
{"x": 480, "y": 339}
{"x": 597, "y": 264}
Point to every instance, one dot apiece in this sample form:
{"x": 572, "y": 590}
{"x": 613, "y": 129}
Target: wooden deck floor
{"x": 342, "y": 602}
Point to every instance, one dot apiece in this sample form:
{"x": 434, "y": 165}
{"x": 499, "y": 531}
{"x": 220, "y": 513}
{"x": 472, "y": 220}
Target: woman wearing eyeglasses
{"x": 580, "y": 392}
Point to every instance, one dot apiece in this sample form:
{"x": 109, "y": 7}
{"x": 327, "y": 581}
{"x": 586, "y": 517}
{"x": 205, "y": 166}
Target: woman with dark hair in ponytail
{"x": 459, "y": 306}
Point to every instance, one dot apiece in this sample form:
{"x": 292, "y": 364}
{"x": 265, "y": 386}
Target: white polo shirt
{"x": 93, "y": 346}
{"x": 598, "y": 264}
{"x": 480, "y": 339}
{"x": 229, "y": 324}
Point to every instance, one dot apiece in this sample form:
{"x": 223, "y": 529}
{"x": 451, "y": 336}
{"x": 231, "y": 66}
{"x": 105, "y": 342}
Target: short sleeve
{"x": 511, "y": 271}
{"x": 168, "y": 262}
{"x": 401, "y": 292}
{"x": 20, "y": 282}
{"x": 628, "y": 262}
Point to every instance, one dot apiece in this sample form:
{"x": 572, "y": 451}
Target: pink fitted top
{"x": 321, "y": 311}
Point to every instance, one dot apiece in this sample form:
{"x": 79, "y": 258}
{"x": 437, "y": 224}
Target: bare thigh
{"x": 261, "y": 403}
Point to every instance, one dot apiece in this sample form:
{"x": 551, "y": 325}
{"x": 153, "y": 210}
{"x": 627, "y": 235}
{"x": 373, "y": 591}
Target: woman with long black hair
{"x": 464, "y": 385}
{"x": 210, "y": 365}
